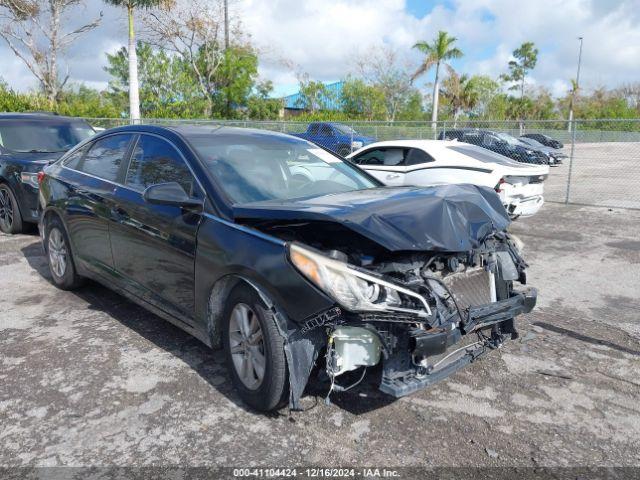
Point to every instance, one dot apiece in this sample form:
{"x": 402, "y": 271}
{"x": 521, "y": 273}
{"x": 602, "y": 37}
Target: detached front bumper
{"x": 398, "y": 383}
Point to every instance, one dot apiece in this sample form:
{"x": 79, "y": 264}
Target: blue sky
{"x": 325, "y": 37}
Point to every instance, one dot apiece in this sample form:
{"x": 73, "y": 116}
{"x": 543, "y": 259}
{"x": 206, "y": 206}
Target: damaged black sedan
{"x": 286, "y": 255}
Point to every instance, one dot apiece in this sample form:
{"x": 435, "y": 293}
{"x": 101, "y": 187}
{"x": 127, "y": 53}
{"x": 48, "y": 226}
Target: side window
{"x": 105, "y": 157}
{"x": 417, "y": 157}
{"x": 156, "y": 161}
{"x": 313, "y": 129}
{"x": 73, "y": 160}
{"x": 390, "y": 157}
{"x": 326, "y": 131}
{"x": 473, "y": 138}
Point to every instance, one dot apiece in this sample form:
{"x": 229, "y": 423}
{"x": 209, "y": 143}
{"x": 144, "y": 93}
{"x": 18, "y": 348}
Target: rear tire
{"x": 10, "y": 217}
{"x": 59, "y": 256}
{"x": 254, "y": 350}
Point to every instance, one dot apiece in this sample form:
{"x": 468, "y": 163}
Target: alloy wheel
{"x": 246, "y": 344}
{"x": 58, "y": 256}
{"x": 6, "y": 209}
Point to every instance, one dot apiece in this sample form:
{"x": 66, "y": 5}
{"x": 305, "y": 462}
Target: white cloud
{"x": 322, "y": 37}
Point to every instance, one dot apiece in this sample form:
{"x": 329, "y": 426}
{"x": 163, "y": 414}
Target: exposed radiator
{"x": 473, "y": 287}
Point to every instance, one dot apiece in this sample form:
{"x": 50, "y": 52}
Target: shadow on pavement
{"x": 585, "y": 338}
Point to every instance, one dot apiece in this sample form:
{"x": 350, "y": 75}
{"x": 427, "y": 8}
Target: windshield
{"x": 507, "y": 138}
{"x": 532, "y": 142}
{"x": 344, "y": 129}
{"x": 42, "y": 136}
{"x": 255, "y": 167}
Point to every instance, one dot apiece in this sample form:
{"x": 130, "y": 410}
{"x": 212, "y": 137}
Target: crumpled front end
{"x": 421, "y": 316}
{"x": 423, "y": 281}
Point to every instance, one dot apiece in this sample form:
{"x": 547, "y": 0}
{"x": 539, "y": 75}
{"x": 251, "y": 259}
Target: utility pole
{"x": 226, "y": 24}
{"x": 575, "y": 89}
{"x": 226, "y": 53}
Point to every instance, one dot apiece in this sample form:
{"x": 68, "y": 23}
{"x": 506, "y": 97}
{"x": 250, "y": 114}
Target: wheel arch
{"x": 216, "y": 304}
{"x": 5, "y": 180}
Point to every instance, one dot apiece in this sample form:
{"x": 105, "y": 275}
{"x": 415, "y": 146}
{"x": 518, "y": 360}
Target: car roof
{"x": 36, "y": 116}
{"x": 195, "y": 129}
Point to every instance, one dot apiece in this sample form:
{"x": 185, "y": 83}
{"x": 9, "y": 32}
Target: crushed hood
{"x": 449, "y": 218}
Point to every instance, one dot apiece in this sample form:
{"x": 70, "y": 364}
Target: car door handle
{"x": 393, "y": 175}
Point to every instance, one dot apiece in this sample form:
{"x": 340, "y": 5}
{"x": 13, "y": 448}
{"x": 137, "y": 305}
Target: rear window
{"x": 105, "y": 156}
{"x": 42, "y": 136}
{"x": 484, "y": 155}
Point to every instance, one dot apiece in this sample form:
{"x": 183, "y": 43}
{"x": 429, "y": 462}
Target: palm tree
{"x": 436, "y": 53}
{"x": 134, "y": 96}
{"x": 572, "y": 100}
{"x": 461, "y": 93}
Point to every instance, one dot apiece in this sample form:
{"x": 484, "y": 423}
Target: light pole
{"x": 572, "y": 127}
{"x": 576, "y": 86}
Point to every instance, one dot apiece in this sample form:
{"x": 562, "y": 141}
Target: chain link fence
{"x": 598, "y": 161}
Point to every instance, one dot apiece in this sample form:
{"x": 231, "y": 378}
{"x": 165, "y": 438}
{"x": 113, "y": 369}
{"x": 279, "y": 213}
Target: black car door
{"x": 154, "y": 245}
{"x": 90, "y": 176}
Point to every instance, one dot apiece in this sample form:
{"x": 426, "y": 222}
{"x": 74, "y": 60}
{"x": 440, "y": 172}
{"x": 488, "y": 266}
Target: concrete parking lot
{"x": 604, "y": 174}
{"x": 87, "y": 378}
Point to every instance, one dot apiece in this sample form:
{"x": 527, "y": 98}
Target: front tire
{"x": 10, "y": 217}
{"x": 254, "y": 350}
{"x": 59, "y": 256}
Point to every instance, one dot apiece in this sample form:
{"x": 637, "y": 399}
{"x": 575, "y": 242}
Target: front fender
{"x": 228, "y": 249}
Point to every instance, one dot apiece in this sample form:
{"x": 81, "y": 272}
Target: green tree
{"x": 260, "y": 105}
{"x": 436, "y": 53}
{"x": 82, "y": 101}
{"x": 134, "y": 95}
{"x": 314, "y": 96}
{"x": 487, "y": 89}
{"x": 234, "y": 80}
{"x": 411, "y": 108}
{"x": 460, "y": 92}
{"x": 381, "y": 68}
{"x": 360, "y": 100}
{"x": 525, "y": 59}
{"x": 167, "y": 86}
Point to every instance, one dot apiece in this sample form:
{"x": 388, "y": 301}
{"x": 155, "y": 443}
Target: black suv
{"x": 496, "y": 142}
{"x": 29, "y": 141}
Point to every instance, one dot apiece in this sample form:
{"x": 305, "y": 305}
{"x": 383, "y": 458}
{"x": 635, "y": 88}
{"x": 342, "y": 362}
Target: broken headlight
{"x": 353, "y": 288}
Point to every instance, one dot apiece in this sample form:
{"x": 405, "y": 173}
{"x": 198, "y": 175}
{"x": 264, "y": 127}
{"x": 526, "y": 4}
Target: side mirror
{"x": 170, "y": 193}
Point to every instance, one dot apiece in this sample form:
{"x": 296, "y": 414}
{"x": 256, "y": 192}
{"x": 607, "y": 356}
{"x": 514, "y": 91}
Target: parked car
{"x": 544, "y": 152}
{"x": 208, "y": 228}
{"x": 336, "y": 137}
{"x": 492, "y": 141}
{"x": 27, "y": 143}
{"x": 435, "y": 162}
{"x": 553, "y": 153}
{"x": 545, "y": 140}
